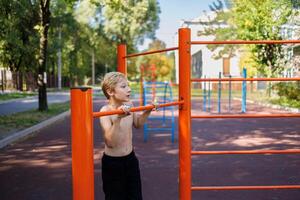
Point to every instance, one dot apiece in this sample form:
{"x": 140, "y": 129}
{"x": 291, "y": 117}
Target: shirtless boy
{"x": 120, "y": 167}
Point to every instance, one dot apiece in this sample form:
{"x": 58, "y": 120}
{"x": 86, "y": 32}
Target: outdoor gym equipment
{"x": 82, "y": 123}
{"x": 161, "y": 95}
{"x": 206, "y": 93}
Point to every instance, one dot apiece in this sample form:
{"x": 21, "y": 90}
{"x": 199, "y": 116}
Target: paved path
{"x": 20, "y": 105}
{"x": 40, "y": 167}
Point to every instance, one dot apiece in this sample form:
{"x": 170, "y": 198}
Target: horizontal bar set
{"x": 82, "y": 121}
{"x": 287, "y": 151}
{"x": 261, "y": 187}
{"x": 281, "y": 115}
{"x": 247, "y": 42}
{"x": 184, "y": 118}
{"x": 244, "y": 79}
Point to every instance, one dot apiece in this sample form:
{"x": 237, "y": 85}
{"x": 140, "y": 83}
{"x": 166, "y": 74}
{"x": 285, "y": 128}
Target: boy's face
{"x": 122, "y": 91}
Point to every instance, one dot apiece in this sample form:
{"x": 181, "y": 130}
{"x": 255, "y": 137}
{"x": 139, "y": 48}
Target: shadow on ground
{"x": 40, "y": 166}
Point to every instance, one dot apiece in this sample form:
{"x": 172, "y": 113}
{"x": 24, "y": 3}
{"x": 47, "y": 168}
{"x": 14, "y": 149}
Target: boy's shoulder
{"x": 105, "y": 108}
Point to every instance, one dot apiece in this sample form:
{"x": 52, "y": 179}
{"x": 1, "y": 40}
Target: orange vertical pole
{"x": 153, "y": 69}
{"x": 82, "y": 143}
{"x": 184, "y": 114}
{"x": 121, "y": 59}
{"x": 142, "y": 85}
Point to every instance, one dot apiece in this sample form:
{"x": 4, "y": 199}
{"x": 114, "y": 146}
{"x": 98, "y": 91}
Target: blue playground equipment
{"x": 207, "y": 94}
{"x": 160, "y": 93}
{"x": 244, "y": 91}
{"x": 219, "y": 93}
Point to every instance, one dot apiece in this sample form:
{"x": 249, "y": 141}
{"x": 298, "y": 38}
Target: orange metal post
{"x": 122, "y": 59}
{"x": 185, "y": 114}
{"x": 82, "y": 143}
{"x": 142, "y": 85}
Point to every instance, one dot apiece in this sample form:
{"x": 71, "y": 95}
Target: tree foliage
{"x": 254, "y": 20}
{"x": 130, "y": 21}
{"x": 18, "y": 39}
{"x": 78, "y": 29}
{"x": 161, "y": 63}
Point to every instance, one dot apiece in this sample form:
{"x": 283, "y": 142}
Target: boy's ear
{"x": 110, "y": 92}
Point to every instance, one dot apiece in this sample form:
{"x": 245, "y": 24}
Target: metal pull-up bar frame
{"x": 82, "y": 116}
{"x": 82, "y": 122}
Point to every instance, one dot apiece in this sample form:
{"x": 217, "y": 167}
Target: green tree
{"x": 162, "y": 63}
{"x": 44, "y": 23}
{"x": 255, "y": 20}
{"x": 130, "y": 21}
{"x": 18, "y": 39}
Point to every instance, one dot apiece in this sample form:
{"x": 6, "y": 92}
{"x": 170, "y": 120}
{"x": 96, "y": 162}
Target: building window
{"x": 226, "y": 66}
{"x": 197, "y": 65}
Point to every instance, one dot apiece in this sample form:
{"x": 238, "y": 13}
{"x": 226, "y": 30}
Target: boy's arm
{"x": 111, "y": 127}
{"x": 139, "y": 120}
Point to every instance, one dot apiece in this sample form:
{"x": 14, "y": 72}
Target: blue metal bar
{"x": 229, "y": 103}
{"x": 244, "y": 91}
{"x": 209, "y": 96}
{"x": 204, "y": 95}
{"x": 164, "y": 109}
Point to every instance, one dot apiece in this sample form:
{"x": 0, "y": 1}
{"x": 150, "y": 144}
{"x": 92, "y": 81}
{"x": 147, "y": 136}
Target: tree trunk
{"x": 20, "y": 80}
{"x": 2, "y": 80}
{"x": 59, "y": 65}
{"x": 41, "y": 79}
{"x": 93, "y": 67}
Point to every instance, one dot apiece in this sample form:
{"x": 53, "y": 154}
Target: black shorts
{"x": 121, "y": 177}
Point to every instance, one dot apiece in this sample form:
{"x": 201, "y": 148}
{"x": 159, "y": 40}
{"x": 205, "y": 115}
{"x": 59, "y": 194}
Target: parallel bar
{"x": 247, "y": 116}
{"x": 151, "y": 52}
{"x": 248, "y": 42}
{"x": 261, "y": 187}
{"x": 287, "y": 151}
{"x": 135, "y": 109}
{"x": 244, "y": 79}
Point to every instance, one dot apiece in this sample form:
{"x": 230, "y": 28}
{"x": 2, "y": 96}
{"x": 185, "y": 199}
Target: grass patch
{"x": 286, "y": 102}
{"x": 63, "y": 89}
{"x": 18, "y": 121}
{"x": 15, "y": 95}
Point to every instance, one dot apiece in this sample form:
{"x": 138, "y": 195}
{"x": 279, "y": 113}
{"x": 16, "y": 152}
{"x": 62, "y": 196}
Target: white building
{"x": 203, "y": 62}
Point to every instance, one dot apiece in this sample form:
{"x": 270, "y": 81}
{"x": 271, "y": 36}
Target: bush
{"x": 290, "y": 90}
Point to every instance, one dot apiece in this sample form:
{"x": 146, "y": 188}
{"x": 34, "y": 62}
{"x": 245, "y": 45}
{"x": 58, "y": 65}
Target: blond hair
{"x": 110, "y": 81}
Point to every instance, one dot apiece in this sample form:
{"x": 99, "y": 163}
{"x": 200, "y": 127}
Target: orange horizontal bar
{"x": 135, "y": 109}
{"x": 287, "y": 151}
{"x": 244, "y": 79}
{"x": 150, "y": 52}
{"x": 248, "y": 42}
{"x": 246, "y": 116}
{"x": 262, "y": 187}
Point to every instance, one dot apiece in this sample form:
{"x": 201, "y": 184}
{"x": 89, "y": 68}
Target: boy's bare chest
{"x": 126, "y": 122}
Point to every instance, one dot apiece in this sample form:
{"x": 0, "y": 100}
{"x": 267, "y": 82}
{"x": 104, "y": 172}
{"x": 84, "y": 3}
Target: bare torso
{"x": 123, "y": 143}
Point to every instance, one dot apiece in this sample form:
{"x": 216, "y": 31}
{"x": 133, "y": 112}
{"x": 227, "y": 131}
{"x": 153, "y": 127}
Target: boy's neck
{"x": 114, "y": 103}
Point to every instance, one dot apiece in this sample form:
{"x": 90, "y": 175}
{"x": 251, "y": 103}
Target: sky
{"x": 172, "y": 11}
